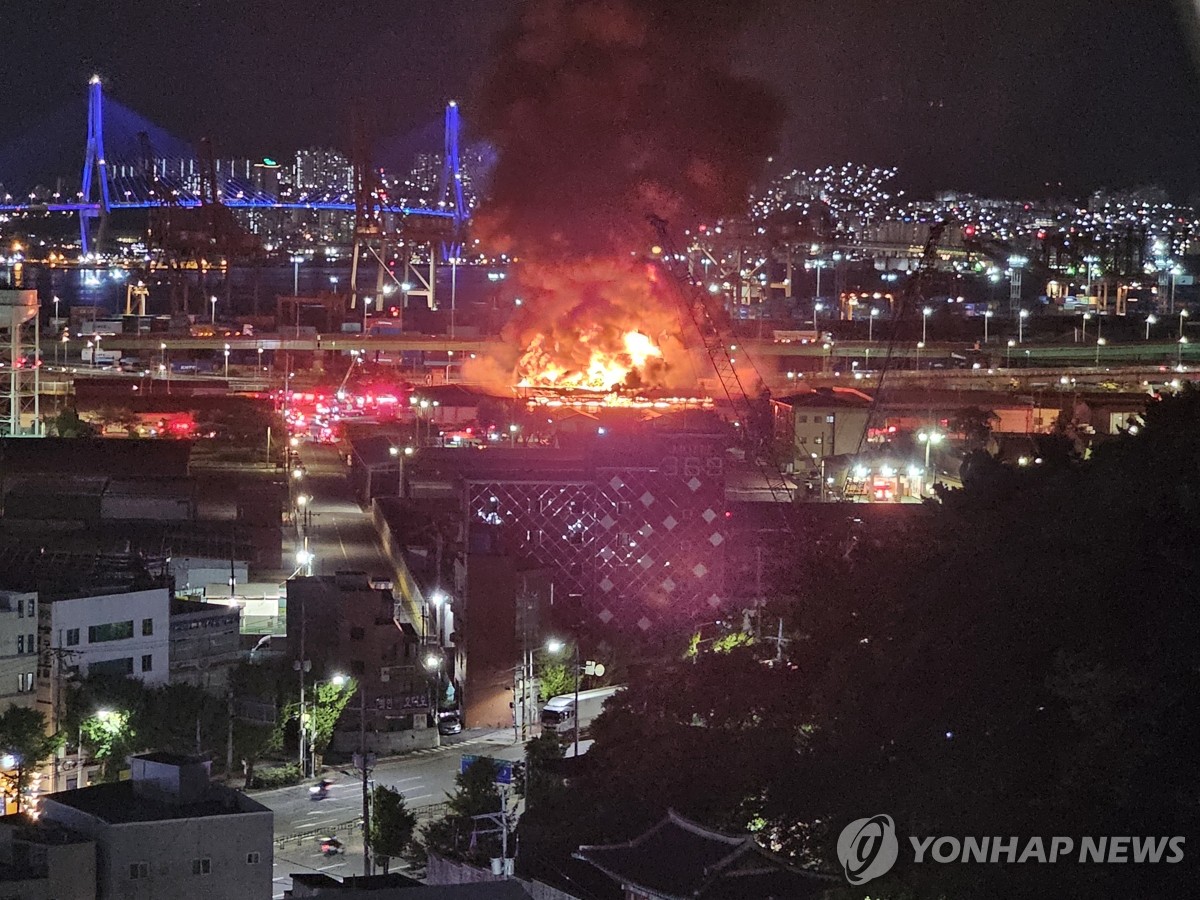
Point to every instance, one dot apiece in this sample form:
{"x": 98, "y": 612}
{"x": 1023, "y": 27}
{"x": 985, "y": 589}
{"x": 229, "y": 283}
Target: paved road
{"x": 340, "y": 535}
{"x": 424, "y": 778}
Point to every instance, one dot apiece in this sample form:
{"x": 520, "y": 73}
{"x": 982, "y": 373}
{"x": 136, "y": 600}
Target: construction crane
{"x": 707, "y": 314}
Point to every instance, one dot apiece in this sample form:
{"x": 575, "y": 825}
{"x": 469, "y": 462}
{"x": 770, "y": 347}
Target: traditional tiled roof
{"x": 681, "y": 860}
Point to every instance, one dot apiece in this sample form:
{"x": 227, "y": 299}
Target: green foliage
{"x": 534, "y": 782}
{"x": 475, "y": 794}
{"x": 727, "y": 642}
{"x": 325, "y": 707}
{"x": 996, "y": 664}
{"x": 276, "y": 776}
{"x": 392, "y": 825}
{"x": 554, "y": 676}
{"x": 23, "y": 734}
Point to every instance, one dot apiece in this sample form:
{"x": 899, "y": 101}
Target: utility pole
{"x": 302, "y": 665}
{"x": 364, "y": 763}
{"x": 500, "y": 820}
{"x": 228, "y": 736}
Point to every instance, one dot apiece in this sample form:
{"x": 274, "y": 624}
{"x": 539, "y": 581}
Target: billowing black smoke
{"x": 604, "y": 111}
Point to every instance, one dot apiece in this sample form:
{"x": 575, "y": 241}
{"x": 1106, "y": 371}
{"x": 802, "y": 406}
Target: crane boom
{"x": 711, "y": 321}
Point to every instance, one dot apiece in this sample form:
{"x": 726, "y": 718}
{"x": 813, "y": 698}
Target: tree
{"x": 392, "y": 825}
{"x": 535, "y": 780}
{"x": 23, "y": 735}
{"x": 327, "y": 703}
{"x": 554, "y": 672}
{"x": 991, "y": 666}
{"x": 974, "y": 424}
{"x": 455, "y": 834}
{"x": 67, "y": 424}
{"x": 120, "y": 416}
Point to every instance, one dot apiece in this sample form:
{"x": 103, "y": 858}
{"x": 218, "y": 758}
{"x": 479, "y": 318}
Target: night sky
{"x": 996, "y": 96}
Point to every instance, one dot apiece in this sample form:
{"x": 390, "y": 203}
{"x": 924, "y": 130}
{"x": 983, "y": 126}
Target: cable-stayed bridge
{"x": 131, "y": 163}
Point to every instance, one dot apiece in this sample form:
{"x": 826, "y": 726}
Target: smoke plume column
{"x": 605, "y": 111}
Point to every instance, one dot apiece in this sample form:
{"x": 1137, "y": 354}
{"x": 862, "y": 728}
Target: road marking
{"x": 416, "y": 796}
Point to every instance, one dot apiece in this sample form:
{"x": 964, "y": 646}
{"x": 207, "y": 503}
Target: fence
{"x": 425, "y": 814}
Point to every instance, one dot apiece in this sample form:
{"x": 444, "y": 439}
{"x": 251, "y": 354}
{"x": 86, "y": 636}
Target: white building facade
{"x": 18, "y": 649}
{"x": 114, "y": 634}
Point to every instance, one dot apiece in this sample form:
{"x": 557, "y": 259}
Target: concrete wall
{"x": 205, "y": 648}
{"x": 815, "y": 434}
{"x": 18, "y": 649}
{"x": 387, "y": 743}
{"x": 193, "y": 574}
{"x": 136, "y": 606}
{"x": 169, "y": 847}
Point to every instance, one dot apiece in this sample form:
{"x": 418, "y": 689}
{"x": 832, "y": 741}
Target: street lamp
{"x": 1008, "y": 353}
{"x": 929, "y": 439}
{"x": 213, "y": 301}
{"x": 987, "y": 315}
{"x": 925, "y": 314}
{"x": 1086, "y": 317}
{"x": 1183, "y": 314}
{"x": 871, "y": 325}
{"x": 1100, "y": 342}
{"x": 556, "y": 646}
{"x": 103, "y": 715}
{"x": 296, "y": 260}
{"x": 304, "y": 560}
{"x": 1150, "y": 320}
{"x": 226, "y": 362}
{"x": 1021, "y": 317}
{"x": 436, "y": 600}
{"x": 56, "y": 302}
{"x": 308, "y": 732}
{"x": 817, "y": 307}
{"x": 1182, "y": 340}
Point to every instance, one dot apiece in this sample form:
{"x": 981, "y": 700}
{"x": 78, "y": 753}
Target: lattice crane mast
{"x": 910, "y": 297}
{"x": 708, "y": 315}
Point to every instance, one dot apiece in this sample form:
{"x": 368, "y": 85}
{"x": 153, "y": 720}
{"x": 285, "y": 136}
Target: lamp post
{"x": 1008, "y": 353}
{"x": 436, "y": 600}
{"x": 1021, "y": 317}
{"x": 56, "y": 302}
{"x": 987, "y": 315}
{"x": 929, "y": 439}
{"x": 1100, "y": 342}
{"x": 1179, "y": 359}
{"x": 871, "y": 325}
{"x": 817, "y": 307}
{"x": 1150, "y": 320}
{"x": 213, "y": 301}
{"x": 1183, "y": 314}
{"x": 557, "y": 646}
{"x": 925, "y": 314}
{"x": 296, "y": 260}
{"x": 1086, "y": 317}
{"x": 338, "y": 681}
{"x": 226, "y": 362}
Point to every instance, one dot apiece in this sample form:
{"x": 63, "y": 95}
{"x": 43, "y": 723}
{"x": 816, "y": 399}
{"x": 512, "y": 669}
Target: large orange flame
{"x": 606, "y": 369}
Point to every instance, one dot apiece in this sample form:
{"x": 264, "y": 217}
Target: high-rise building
{"x": 323, "y": 171}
